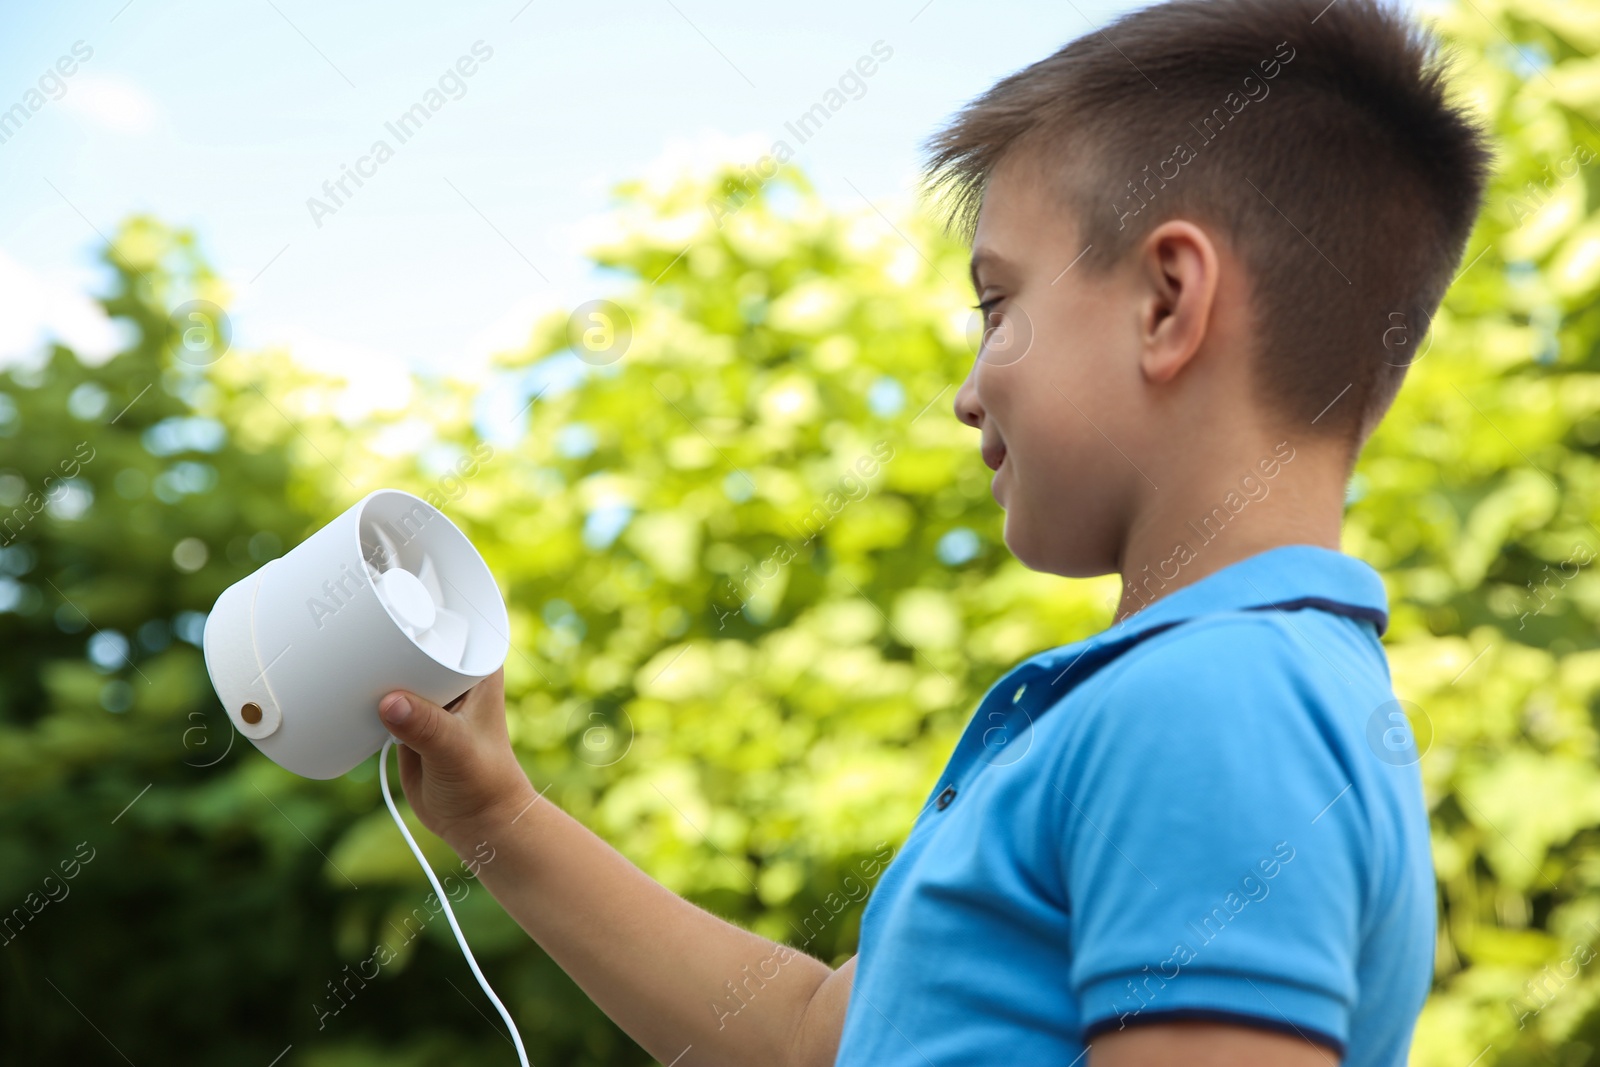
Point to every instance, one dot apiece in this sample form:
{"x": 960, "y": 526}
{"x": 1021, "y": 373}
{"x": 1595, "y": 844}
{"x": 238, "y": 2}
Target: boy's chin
{"x": 1048, "y": 555}
{"x": 1030, "y": 550}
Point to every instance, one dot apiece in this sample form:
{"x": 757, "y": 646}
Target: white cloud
{"x": 36, "y": 309}
{"x": 700, "y": 156}
{"x": 691, "y": 159}
{"x": 111, "y": 102}
{"x": 507, "y": 332}
{"x": 374, "y": 380}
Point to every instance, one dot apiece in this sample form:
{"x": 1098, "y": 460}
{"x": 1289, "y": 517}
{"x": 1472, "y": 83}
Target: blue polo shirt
{"x": 1211, "y": 810}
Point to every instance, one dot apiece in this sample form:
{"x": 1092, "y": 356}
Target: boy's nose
{"x": 968, "y": 410}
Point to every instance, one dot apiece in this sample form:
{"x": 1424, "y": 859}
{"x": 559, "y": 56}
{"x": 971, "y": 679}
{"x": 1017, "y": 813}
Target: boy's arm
{"x": 674, "y": 977}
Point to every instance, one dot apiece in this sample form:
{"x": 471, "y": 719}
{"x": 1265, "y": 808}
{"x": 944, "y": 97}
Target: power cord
{"x": 383, "y": 777}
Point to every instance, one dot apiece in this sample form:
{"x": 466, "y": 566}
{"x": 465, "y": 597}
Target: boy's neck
{"x": 1186, "y": 534}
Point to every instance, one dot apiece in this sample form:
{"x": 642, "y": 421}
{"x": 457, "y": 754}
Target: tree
{"x": 1477, "y": 499}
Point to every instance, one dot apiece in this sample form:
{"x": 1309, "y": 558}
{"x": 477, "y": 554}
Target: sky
{"x": 229, "y": 118}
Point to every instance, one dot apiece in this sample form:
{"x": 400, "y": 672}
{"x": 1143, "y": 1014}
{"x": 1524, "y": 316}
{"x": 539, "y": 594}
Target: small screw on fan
{"x": 251, "y": 713}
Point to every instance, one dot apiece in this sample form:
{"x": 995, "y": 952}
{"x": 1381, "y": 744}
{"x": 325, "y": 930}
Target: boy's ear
{"x": 1178, "y": 272}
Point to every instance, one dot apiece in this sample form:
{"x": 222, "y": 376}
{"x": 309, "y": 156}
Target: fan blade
{"x": 430, "y": 578}
{"x": 371, "y": 558}
{"x": 446, "y": 639}
{"x": 391, "y": 552}
{"x": 382, "y": 558}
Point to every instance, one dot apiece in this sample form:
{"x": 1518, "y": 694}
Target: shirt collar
{"x": 1285, "y": 578}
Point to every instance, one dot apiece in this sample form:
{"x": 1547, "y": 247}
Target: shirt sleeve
{"x": 1213, "y": 852}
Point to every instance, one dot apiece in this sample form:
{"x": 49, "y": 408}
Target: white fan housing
{"x": 390, "y": 595}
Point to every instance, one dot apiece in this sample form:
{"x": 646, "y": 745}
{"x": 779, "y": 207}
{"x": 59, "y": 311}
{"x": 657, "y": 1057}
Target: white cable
{"x": 383, "y": 777}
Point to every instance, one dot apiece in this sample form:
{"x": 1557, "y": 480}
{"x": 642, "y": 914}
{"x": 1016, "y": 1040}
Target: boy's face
{"x": 1056, "y": 387}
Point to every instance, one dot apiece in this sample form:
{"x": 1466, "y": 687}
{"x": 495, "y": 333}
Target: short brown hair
{"x": 1317, "y": 136}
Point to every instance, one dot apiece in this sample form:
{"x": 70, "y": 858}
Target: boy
{"x": 1198, "y": 837}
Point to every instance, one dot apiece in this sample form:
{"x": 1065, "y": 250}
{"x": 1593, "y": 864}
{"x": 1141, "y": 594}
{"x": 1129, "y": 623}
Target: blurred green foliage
{"x": 1477, "y": 499}
{"x": 757, "y": 584}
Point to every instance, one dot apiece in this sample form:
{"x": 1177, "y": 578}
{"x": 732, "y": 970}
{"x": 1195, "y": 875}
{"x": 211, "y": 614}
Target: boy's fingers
{"x": 410, "y": 769}
{"x": 420, "y": 725}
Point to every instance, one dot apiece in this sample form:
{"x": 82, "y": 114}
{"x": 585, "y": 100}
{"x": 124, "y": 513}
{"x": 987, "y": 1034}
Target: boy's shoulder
{"x": 1234, "y": 666}
{"x": 1228, "y": 710}
{"x": 1245, "y": 718}
{"x": 1293, "y": 611}
{"x": 1270, "y": 670}
{"x": 1276, "y": 653}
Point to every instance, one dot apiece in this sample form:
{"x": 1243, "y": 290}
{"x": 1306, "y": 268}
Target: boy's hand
{"x": 456, "y": 766}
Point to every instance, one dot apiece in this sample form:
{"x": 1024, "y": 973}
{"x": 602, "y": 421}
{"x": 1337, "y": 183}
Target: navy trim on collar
{"x": 1378, "y": 618}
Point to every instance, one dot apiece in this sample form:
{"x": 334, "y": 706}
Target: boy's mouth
{"x": 994, "y": 455}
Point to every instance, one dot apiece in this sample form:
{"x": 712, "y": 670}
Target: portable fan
{"x": 390, "y": 595}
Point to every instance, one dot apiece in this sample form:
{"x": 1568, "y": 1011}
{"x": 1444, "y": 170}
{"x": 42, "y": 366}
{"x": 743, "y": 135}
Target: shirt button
{"x": 943, "y": 800}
